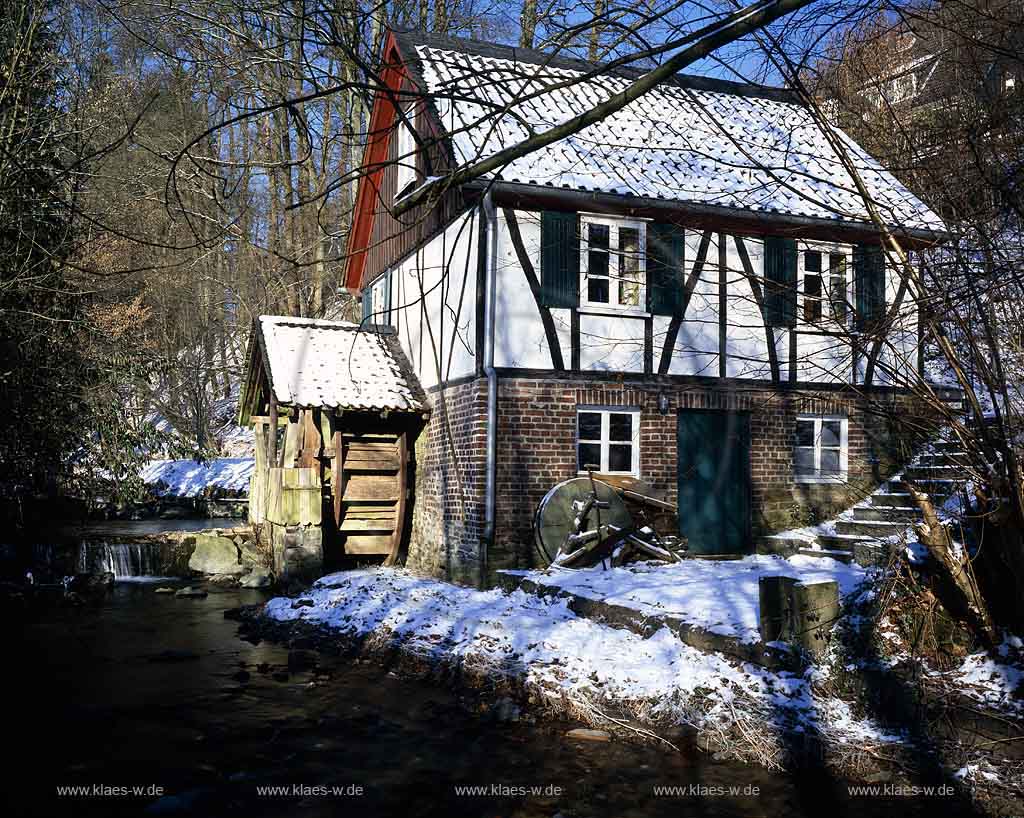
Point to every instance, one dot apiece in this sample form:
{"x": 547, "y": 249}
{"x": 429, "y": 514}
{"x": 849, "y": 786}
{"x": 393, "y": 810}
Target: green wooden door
{"x": 714, "y": 481}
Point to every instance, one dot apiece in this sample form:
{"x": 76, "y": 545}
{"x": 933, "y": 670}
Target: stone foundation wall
{"x": 536, "y": 450}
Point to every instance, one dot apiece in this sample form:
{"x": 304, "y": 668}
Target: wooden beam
{"x": 338, "y": 475}
{"x": 396, "y": 536}
{"x": 272, "y": 434}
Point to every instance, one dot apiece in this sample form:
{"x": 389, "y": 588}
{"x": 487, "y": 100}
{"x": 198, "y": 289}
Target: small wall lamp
{"x": 663, "y": 403}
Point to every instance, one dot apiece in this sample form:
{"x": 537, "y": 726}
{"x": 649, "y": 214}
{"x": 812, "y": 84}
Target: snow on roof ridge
{"x": 692, "y": 141}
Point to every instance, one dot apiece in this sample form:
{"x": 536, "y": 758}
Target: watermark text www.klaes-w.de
{"x": 310, "y": 791}
{"x": 507, "y": 790}
{"x": 901, "y": 790}
{"x": 110, "y": 791}
{"x": 706, "y": 790}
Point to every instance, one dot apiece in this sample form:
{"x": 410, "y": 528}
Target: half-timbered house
{"x": 689, "y": 291}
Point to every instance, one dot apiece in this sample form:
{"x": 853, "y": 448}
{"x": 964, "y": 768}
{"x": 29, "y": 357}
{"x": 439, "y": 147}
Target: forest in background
{"x": 193, "y": 165}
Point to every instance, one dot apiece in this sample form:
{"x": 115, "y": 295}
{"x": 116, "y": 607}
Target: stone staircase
{"x": 860, "y": 533}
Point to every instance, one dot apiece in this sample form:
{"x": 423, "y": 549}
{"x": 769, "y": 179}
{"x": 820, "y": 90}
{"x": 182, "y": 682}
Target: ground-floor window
{"x": 821, "y": 451}
{"x": 608, "y": 438}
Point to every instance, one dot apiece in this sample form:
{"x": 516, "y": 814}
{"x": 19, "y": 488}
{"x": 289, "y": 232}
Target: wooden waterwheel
{"x": 372, "y": 473}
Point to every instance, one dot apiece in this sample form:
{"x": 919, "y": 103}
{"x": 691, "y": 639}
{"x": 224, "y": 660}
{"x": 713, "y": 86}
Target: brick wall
{"x": 536, "y": 450}
{"x": 448, "y": 502}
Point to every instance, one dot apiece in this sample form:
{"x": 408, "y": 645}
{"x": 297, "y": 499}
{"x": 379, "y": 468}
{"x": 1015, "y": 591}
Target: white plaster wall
{"x": 696, "y": 350}
{"x": 519, "y": 332}
{"x": 611, "y": 343}
{"x": 433, "y": 297}
{"x": 746, "y": 339}
{"x": 822, "y": 358}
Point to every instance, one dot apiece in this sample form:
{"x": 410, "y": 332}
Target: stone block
{"x": 815, "y": 612}
{"x": 775, "y": 615}
{"x": 215, "y": 555}
{"x": 798, "y": 613}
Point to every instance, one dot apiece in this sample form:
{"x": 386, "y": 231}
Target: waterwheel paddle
{"x": 577, "y": 517}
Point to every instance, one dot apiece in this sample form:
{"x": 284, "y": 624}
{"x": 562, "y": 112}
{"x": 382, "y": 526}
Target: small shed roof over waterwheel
{"x": 355, "y": 407}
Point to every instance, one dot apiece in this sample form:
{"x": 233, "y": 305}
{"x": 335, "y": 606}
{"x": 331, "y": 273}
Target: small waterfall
{"x": 123, "y": 560}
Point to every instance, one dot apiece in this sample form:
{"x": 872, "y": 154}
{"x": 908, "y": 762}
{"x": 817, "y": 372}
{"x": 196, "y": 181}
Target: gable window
{"x": 405, "y": 156}
{"x": 820, "y": 454}
{"x": 612, "y": 264}
{"x": 812, "y": 286}
{"x": 824, "y": 283}
{"x": 377, "y": 301}
{"x": 608, "y": 439}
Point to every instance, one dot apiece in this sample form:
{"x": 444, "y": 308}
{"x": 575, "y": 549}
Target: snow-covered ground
{"x": 720, "y": 596}
{"x": 567, "y": 657}
{"x": 614, "y": 678}
{"x": 189, "y": 478}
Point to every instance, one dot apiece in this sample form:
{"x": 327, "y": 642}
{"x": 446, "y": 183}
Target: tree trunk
{"x": 955, "y": 571}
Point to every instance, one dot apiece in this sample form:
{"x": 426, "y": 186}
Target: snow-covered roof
{"x": 336, "y": 365}
{"x": 691, "y": 140}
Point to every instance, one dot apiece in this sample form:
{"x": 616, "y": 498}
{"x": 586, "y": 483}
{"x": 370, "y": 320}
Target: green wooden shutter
{"x": 869, "y": 284}
{"x": 559, "y": 259}
{"x": 665, "y": 255}
{"x": 780, "y": 281}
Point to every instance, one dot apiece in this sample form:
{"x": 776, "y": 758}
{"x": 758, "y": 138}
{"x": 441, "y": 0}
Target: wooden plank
{"x": 372, "y": 437}
{"x": 352, "y": 446}
{"x": 383, "y": 525}
{"x": 368, "y": 512}
{"x": 291, "y": 443}
{"x": 327, "y": 426}
{"x": 396, "y": 536}
{"x": 311, "y": 443}
{"x": 370, "y": 487}
{"x": 337, "y": 476}
{"x": 390, "y": 463}
{"x": 368, "y": 544}
{"x": 272, "y": 439}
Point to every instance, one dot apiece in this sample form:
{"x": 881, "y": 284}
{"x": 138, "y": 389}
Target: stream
{"x": 155, "y": 706}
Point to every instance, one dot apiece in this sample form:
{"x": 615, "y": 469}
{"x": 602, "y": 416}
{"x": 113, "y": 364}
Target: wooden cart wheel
{"x": 557, "y": 514}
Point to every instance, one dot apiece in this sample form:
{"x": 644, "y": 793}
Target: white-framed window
{"x": 609, "y": 438}
{"x": 613, "y": 269}
{"x": 405, "y": 155}
{"x": 821, "y": 450}
{"x": 824, "y": 284}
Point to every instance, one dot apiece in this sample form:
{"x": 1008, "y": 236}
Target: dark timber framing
{"x": 755, "y": 288}
{"x": 550, "y": 332}
{"x": 672, "y": 334}
{"x": 723, "y": 308}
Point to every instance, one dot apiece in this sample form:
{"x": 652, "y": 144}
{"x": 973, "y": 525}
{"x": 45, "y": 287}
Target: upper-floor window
{"x": 405, "y": 156}
{"x": 824, "y": 290}
{"x": 612, "y": 263}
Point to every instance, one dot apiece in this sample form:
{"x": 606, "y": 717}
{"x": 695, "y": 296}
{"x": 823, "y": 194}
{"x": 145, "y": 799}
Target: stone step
{"x": 783, "y": 546}
{"x": 917, "y": 473}
{"x": 884, "y": 499}
{"x": 822, "y": 553}
{"x": 937, "y": 489}
{"x": 838, "y": 542}
{"x": 877, "y": 529}
{"x": 942, "y": 459}
{"x": 891, "y": 514}
{"x": 945, "y": 446}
